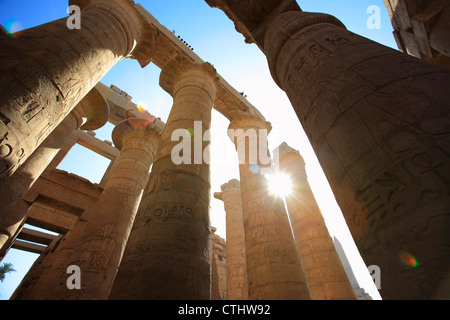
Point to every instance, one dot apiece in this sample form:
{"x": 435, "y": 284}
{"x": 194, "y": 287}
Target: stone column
{"x": 90, "y": 114}
{"x": 378, "y": 122}
{"x": 48, "y": 69}
{"x": 324, "y": 273}
{"x": 237, "y": 287}
{"x": 104, "y": 237}
{"x": 96, "y": 247}
{"x": 439, "y": 38}
{"x": 274, "y": 271}
{"x": 167, "y": 254}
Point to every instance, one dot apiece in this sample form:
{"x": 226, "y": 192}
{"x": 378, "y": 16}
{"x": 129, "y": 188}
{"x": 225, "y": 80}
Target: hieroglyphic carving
{"x": 375, "y": 118}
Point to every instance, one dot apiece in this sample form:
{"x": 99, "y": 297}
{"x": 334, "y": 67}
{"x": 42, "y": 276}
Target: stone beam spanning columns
{"x": 274, "y": 271}
{"x": 377, "y": 120}
{"x": 48, "y": 69}
{"x": 237, "y": 287}
{"x": 324, "y": 273}
{"x": 167, "y": 255}
{"x": 90, "y": 114}
{"x": 101, "y": 242}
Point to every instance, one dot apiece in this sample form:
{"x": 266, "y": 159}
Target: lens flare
{"x": 254, "y": 168}
{"x": 142, "y": 106}
{"x": 190, "y": 132}
{"x": 408, "y": 259}
{"x": 279, "y": 184}
{"x": 12, "y": 26}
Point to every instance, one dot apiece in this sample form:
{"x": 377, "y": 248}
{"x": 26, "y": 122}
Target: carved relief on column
{"x": 377, "y": 120}
{"x": 324, "y": 273}
{"x": 167, "y": 255}
{"x": 273, "y": 265}
{"x": 90, "y": 114}
{"x": 237, "y": 287}
{"x": 97, "y": 246}
{"x": 48, "y": 69}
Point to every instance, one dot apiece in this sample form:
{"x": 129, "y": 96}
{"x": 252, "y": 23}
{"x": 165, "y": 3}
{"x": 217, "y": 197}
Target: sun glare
{"x": 279, "y": 184}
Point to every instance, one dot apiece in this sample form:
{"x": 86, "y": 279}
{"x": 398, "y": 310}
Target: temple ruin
{"x": 377, "y": 118}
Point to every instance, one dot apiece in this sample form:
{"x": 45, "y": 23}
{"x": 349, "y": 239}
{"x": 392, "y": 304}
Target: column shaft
{"x": 48, "y": 69}
{"x": 167, "y": 255}
{"x": 237, "y": 284}
{"x": 104, "y": 237}
{"x": 377, "y": 121}
{"x": 324, "y": 273}
{"x": 273, "y": 265}
{"x": 91, "y": 113}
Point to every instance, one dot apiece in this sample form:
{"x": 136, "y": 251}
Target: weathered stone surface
{"x": 167, "y": 255}
{"x": 420, "y": 28}
{"x": 48, "y": 69}
{"x": 218, "y": 254}
{"x": 324, "y": 273}
{"x": 237, "y": 287}
{"x": 56, "y": 194}
{"x": 274, "y": 271}
{"x": 103, "y": 239}
{"x": 90, "y": 113}
{"x": 377, "y": 120}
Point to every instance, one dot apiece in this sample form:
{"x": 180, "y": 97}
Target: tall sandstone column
{"x": 274, "y": 271}
{"x": 167, "y": 254}
{"x": 324, "y": 273}
{"x": 90, "y": 114}
{"x": 378, "y": 122}
{"x": 237, "y": 287}
{"x": 100, "y": 242}
{"x": 46, "y": 70}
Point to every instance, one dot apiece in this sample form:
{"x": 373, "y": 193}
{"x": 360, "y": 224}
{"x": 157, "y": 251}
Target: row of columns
{"x": 257, "y": 265}
{"x": 48, "y": 69}
{"x": 393, "y": 177}
{"x": 167, "y": 253}
{"x": 47, "y": 75}
{"x": 159, "y": 235}
{"x": 377, "y": 121}
{"x": 90, "y": 114}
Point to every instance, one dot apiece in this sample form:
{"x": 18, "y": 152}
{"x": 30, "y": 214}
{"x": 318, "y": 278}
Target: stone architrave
{"x": 378, "y": 122}
{"x": 90, "y": 114}
{"x": 324, "y": 273}
{"x": 237, "y": 287}
{"x": 48, "y": 69}
{"x": 274, "y": 271}
{"x": 167, "y": 255}
{"x": 100, "y": 242}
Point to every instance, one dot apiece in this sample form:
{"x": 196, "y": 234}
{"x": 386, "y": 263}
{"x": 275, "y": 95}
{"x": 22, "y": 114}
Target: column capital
{"x": 142, "y": 36}
{"x": 94, "y": 109}
{"x": 283, "y": 28}
{"x": 133, "y": 126}
{"x": 283, "y": 150}
{"x": 202, "y": 75}
{"x": 232, "y": 185}
{"x": 245, "y": 120}
{"x": 289, "y": 160}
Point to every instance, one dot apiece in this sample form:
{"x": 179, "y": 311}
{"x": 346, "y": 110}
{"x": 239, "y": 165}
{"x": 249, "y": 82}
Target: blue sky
{"x": 214, "y": 39}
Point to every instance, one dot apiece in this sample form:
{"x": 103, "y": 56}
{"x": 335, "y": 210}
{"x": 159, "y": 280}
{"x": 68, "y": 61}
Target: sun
{"x": 279, "y": 184}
